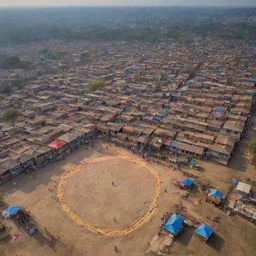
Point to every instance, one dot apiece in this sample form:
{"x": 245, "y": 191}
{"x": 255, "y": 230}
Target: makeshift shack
{"x": 186, "y": 183}
{"x": 175, "y": 224}
{"x": 21, "y": 217}
{"x": 214, "y": 196}
{"x": 204, "y": 232}
{"x": 243, "y": 188}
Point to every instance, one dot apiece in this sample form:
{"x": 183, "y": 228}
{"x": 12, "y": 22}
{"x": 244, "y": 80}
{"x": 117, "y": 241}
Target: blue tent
{"x": 11, "y": 210}
{"x": 156, "y": 118}
{"x": 216, "y": 193}
{"x": 188, "y": 182}
{"x": 192, "y": 161}
{"x": 234, "y": 182}
{"x": 129, "y": 71}
{"x": 219, "y": 111}
{"x": 204, "y": 231}
{"x": 174, "y": 224}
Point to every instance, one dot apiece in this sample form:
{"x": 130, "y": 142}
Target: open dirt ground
{"x": 96, "y": 175}
{"x": 96, "y": 184}
{"x": 112, "y": 194}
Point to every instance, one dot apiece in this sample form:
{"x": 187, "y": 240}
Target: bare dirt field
{"x": 99, "y": 186}
{"x": 112, "y": 194}
{"x": 101, "y": 192}
{"x": 91, "y": 194}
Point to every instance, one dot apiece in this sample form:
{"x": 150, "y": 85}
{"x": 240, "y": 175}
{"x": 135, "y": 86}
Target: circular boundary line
{"x": 93, "y": 228}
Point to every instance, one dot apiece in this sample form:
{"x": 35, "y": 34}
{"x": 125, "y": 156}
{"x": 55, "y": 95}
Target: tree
{"x": 85, "y": 56}
{"x": 252, "y": 148}
{"x": 142, "y": 72}
{"x": 158, "y": 88}
{"x": 191, "y": 72}
{"x": 95, "y": 85}
{"x": 10, "y": 62}
{"x": 11, "y": 115}
{"x": 229, "y": 81}
{"x": 5, "y": 89}
{"x": 163, "y": 77}
{"x": 125, "y": 86}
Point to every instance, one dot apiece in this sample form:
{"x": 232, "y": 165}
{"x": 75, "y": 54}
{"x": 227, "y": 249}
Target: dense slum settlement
{"x": 164, "y": 100}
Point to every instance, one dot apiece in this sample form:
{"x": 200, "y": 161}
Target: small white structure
{"x": 243, "y": 188}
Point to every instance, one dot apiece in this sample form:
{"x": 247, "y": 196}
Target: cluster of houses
{"x": 242, "y": 202}
{"x": 158, "y": 99}
{"x": 29, "y": 154}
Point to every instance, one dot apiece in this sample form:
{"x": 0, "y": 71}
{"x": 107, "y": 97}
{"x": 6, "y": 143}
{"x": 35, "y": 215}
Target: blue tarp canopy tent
{"x": 156, "y": 118}
{"x": 204, "y": 231}
{"x": 216, "y": 193}
{"x": 234, "y": 182}
{"x": 187, "y": 182}
{"x": 174, "y": 224}
{"x": 11, "y": 210}
{"x": 192, "y": 161}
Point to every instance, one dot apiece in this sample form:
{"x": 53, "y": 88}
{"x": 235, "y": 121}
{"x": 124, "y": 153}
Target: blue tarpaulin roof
{"x": 215, "y": 192}
{"x": 188, "y": 181}
{"x": 156, "y": 118}
{"x": 174, "y": 144}
{"x": 12, "y": 210}
{"x": 192, "y": 161}
{"x": 204, "y": 231}
{"x": 234, "y": 182}
{"x": 164, "y": 113}
{"x": 174, "y": 224}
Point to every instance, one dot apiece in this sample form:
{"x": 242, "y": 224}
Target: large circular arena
{"x": 109, "y": 195}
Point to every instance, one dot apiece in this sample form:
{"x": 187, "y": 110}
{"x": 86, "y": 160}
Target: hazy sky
{"x": 127, "y": 2}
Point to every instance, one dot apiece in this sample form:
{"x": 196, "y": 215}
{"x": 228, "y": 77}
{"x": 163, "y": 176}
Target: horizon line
{"x": 111, "y": 6}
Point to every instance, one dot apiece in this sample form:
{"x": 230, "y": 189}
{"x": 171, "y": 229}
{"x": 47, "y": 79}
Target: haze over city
{"x": 127, "y": 127}
{"x": 230, "y": 3}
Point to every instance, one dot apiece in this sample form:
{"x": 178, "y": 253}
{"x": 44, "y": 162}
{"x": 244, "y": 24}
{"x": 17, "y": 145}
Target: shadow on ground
{"x": 54, "y": 243}
{"x": 185, "y": 237}
{"x": 195, "y": 189}
{"x": 239, "y": 160}
{"x": 5, "y": 239}
{"x": 216, "y": 242}
{"x": 29, "y": 182}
